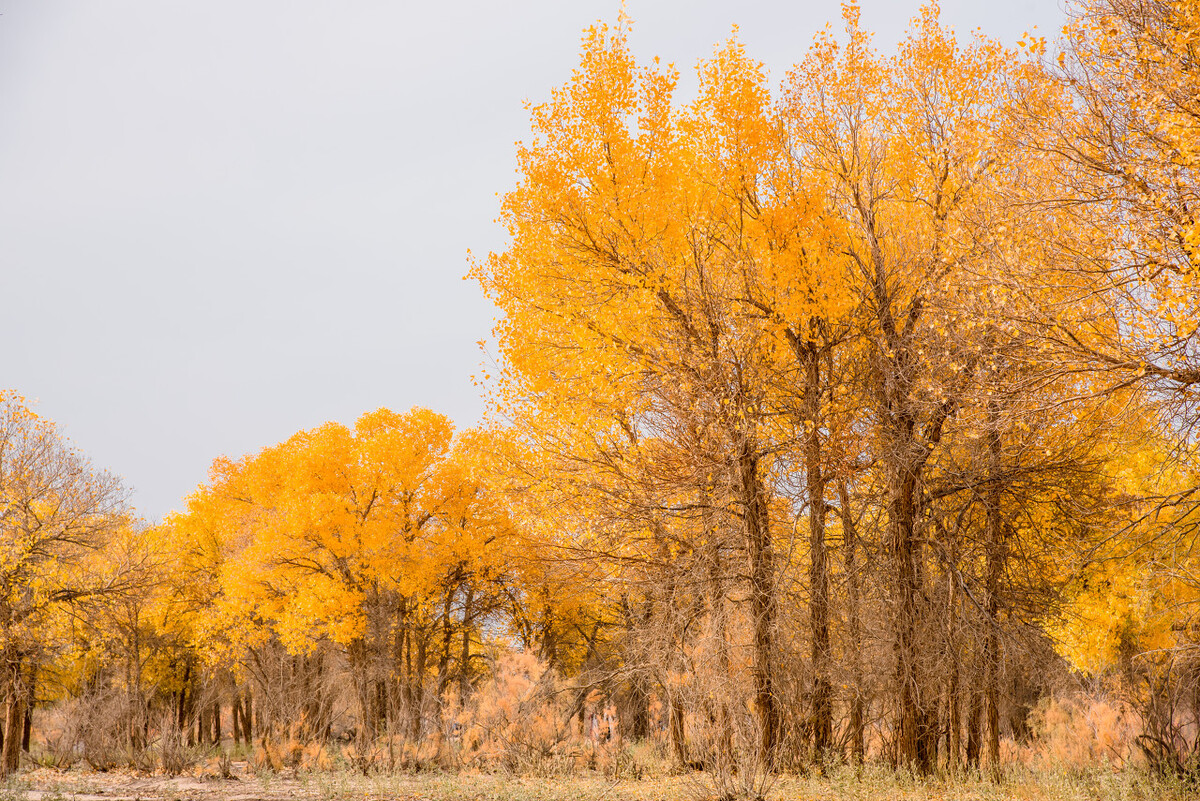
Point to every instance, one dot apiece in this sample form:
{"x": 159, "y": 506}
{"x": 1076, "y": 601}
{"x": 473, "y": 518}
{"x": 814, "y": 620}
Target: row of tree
{"x": 930, "y": 309}
{"x": 833, "y": 421}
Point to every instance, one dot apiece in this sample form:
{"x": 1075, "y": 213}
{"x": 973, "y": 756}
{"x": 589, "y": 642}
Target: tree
{"x": 56, "y": 513}
{"x": 378, "y": 544}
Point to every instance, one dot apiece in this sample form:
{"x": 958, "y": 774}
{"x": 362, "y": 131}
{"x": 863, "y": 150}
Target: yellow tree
{"x": 1127, "y": 155}
{"x": 1130, "y": 151}
{"x": 914, "y": 153}
{"x": 381, "y": 543}
{"x": 675, "y": 296}
{"x": 56, "y": 511}
{"x": 637, "y": 230}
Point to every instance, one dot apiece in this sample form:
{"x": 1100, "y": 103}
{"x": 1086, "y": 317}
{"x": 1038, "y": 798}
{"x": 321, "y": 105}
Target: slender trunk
{"x": 357, "y": 654}
{"x": 953, "y": 724}
{"x": 131, "y": 716}
{"x": 181, "y": 710}
{"x": 763, "y": 603}
{"x": 248, "y": 717}
{"x": 994, "y": 571}
{"x": 216, "y": 722}
{"x": 549, "y": 644}
{"x": 974, "y": 725}
{"x": 678, "y": 740}
{"x": 853, "y": 626}
{"x": 640, "y": 701}
{"x": 380, "y": 705}
{"x": 30, "y": 703}
{"x": 235, "y": 716}
{"x": 818, "y": 570}
{"x": 443, "y": 680}
{"x": 724, "y": 662}
{"x": 401, "y": 663}
{"x": 418, "y": 688}
{"x": 902, "y": 514}
{"x": 464, "y": 659}
{"x": 27, "y": 730}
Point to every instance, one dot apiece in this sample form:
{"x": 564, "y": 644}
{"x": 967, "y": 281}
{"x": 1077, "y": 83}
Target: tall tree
{"x": 56, "y": 513}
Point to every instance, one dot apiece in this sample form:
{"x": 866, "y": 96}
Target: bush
{"x": 519, "y": 720}
{"x": 1082, "y": 731}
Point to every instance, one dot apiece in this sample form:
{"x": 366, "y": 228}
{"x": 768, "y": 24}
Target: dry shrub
{"x": 94, "y": 727}
{"x": 174, "y": 757}
{"x": 267, "y": 756}
{"x": 393, "y": 752}
{"x": 291, "y": 750}
{"x": 217, "y": 767}
{"x": 1083, "y": 731}
{"x": 519, "y": 720}
{"x": 57, "y": 743}
{"x": 315, "y": 757}
{"x": 366, "y": 757}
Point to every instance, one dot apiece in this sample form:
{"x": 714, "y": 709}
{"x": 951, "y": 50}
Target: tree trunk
{"x": 464, "y": 659}
{"x": 363, "y": 686}
{"x": 248, "y": 717}
{"x": 402, "y": 694}
{"x": 953, "y": 721}
{"x": 763, "y": 603}
{"x": 418, "y": 686}
{"x": 909, "y": 678}
{"x": 678, "y": 738}
{"x": 443, "y": 680}
{"x": 14, "y": 722}
{"x": 994, "y": 572}
{"x": 235, "y": 716}
{"x": 818, "y": 570}
{"x": 974, "y": 733}
{"x": 639, "y": 700}
{"x": 718, "y": 612}
{"x": 30, "y": 703}
{"x": 853, "y": 626}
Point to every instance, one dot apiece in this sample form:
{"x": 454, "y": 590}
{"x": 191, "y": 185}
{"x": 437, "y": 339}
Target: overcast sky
{"x": 222, "y": 221}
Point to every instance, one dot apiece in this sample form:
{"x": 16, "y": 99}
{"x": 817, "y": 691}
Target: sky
{"x": 224, "y": 221}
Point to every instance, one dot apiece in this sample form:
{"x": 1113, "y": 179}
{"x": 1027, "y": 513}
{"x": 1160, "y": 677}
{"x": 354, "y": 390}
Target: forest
{"x": 849, "y": 422}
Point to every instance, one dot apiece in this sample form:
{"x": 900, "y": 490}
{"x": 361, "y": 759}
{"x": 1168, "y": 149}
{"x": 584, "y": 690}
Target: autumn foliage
{"x": 849, "y": 420}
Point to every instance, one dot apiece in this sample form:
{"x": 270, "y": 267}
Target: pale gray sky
{"x": 222, "y": 221}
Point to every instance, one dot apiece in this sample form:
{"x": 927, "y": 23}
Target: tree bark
{"x": 994, "y": 572}
{"x": 718, "y": 611}
{"x": 248, "y": 717}
{"x": 235, "y": 716}
{"x": 363, "y": 690}
{"x": 464, "y": 659}
{"x": 818, "y": 570}
{"x": 13, "y": 723}
{"x": 677, "y": 733}
{"x": 763, "y": 603}
{"x": 953, "y": 718}
{"x": 974, "y": 725}
{"x": 30, "y": 703}
{"x": 418, "y": 692}
{"x": 853, "y": 626}
{"x": 902, "y": 514}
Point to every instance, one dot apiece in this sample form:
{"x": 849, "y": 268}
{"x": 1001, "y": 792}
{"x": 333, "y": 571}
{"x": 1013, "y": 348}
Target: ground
{"x": 869, "y": 785}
